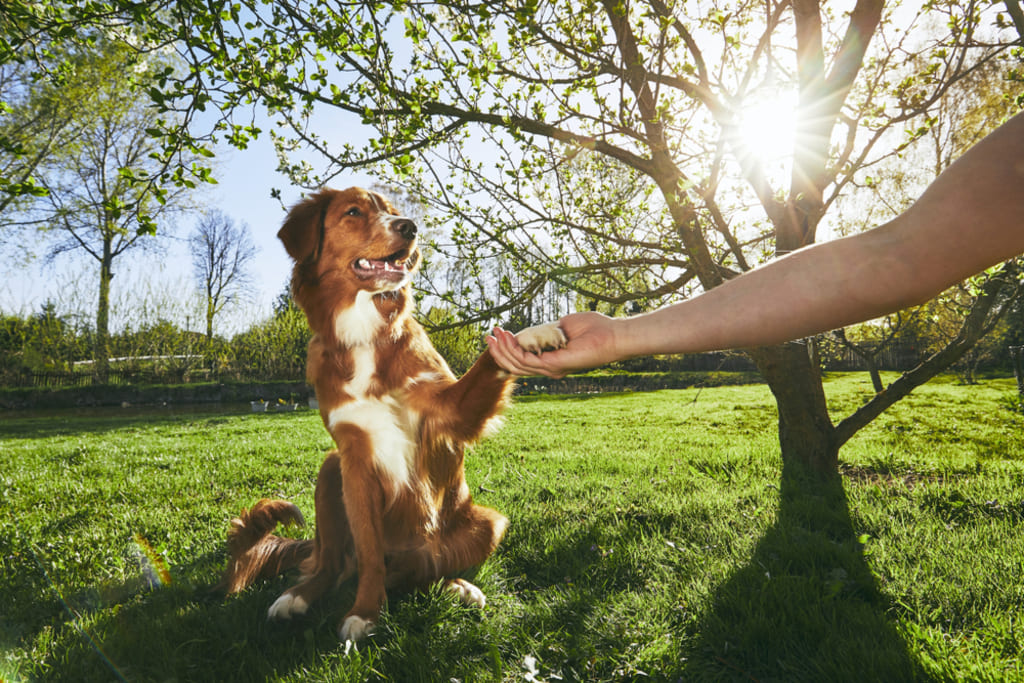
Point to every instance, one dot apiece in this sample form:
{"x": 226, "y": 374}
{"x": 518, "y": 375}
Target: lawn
{"x": 653, "y": 537}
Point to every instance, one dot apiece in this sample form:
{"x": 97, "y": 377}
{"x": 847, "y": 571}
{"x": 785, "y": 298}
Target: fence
{"x": 58, "y": 380}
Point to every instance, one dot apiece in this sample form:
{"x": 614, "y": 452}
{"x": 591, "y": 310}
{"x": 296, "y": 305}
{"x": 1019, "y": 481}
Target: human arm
{"x": 970, "y": 218}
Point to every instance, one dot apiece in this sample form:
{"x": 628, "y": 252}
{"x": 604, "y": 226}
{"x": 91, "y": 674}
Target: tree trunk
{"x": 210, "y": 311}
{"x": 101, "y": 347}
{"x": 806, "y": 434}
{"x": 1017, "y": 354}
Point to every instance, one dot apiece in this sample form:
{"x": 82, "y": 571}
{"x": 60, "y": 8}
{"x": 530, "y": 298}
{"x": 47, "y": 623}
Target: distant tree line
{"x": 47, "y": 343}
{"x": 36, "y": 348}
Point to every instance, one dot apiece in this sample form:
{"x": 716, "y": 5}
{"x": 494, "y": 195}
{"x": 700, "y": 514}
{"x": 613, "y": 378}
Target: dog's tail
{"x": 255, "y": 553}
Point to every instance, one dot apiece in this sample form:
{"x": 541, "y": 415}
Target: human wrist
{"x": 628, "y": 338}
{"x": 662, "y": 331}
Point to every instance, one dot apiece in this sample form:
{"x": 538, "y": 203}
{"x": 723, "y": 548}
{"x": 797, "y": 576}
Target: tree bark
{"x": 806, "y": 434}
{"x": 876, "y": 376}
{"x": 101, "y": 347}
{"x": 211, "y": 310}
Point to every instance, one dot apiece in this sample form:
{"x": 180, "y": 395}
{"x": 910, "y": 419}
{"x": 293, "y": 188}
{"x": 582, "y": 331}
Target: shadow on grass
{"x": 806, "y": 607}
{"x": 36, "y": 424}
{"x": 181, "y": 632}
{"x": 187, "y": 632}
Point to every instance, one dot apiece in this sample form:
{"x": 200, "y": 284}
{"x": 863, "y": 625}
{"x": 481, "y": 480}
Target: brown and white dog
{"x": 392, "y": 504}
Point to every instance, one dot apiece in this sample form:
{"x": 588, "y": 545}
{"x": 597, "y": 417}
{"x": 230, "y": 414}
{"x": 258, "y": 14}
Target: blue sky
{"x": 245, "y": 180}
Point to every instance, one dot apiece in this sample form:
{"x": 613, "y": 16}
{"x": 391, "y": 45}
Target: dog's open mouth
{"x": 394, "y": 267}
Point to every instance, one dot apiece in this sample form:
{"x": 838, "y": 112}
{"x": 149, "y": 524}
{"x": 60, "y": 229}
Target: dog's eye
{"x": 354, "y": 211}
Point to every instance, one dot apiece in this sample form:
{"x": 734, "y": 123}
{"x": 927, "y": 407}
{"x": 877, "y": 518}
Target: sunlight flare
{"x": 766, "y": 125}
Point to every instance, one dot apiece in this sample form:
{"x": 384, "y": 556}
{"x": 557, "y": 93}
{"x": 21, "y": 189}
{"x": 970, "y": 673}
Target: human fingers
{"x": 512, "y": 357}
{"x": 509, "y": 354}
{"x": 506, "y": 352}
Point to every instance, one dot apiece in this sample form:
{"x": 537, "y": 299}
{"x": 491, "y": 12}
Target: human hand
{"x": 590, "y": 343}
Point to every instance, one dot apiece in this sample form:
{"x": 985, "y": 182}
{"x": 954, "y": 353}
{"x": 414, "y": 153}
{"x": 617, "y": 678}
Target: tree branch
{"x": 977, "y": 323}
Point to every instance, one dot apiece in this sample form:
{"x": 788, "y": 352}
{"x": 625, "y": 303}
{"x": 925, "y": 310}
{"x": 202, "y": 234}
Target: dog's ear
{"x": 301, "y": 232}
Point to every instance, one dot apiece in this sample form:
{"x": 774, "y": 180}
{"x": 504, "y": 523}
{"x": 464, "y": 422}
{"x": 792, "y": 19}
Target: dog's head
{"x": 353, "y": 238}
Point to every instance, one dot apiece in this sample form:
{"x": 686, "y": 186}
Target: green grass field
{"x": 653, "y": 537}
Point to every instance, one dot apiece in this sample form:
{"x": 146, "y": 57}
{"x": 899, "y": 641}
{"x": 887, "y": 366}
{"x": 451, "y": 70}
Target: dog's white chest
{"x": 391, "y": 430}
{"x": 360, "y": 323}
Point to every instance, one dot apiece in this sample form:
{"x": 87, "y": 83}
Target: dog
{"x": 392, "y": 504}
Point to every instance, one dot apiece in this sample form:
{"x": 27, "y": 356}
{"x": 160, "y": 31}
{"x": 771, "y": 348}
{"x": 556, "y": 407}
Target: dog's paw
{"x": 546, "y": 337}
{"x": 287, "y": 606}
{"x": 467, "y": 593}
{"x": 354, "y": 629}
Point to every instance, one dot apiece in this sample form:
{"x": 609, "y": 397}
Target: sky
{"x": 154, "y": 285}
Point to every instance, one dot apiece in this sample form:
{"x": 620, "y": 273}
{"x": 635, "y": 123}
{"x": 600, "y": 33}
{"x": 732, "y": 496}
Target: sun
{"x": 766, "y": 127}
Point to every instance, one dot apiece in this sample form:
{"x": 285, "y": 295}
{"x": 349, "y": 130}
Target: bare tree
{"x": 222, "y": 252}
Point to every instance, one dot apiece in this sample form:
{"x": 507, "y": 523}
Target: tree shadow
{"x": 806, "y": 607}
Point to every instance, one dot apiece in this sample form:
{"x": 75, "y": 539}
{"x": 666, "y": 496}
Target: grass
{"x": 653, "y": 537}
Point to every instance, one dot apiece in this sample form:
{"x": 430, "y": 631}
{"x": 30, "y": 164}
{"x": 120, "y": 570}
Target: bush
{"x": 273, "y": 349}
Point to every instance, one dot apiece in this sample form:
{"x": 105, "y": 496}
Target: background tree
{"x": 103, "y": 192}
{"x": 32, "y": 126}
{"x": 946, "y": 314}
{"x": 222, "y": 253}
{"x": 459, "y": 344}
{"x": 43, "y": 341}
{"x": 870, "y": 341}
{"x": 276, "y": 347}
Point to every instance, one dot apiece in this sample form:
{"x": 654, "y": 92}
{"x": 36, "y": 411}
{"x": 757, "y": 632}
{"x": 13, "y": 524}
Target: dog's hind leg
{"x": 466, "y": 592}
{"x": 327, "y": 565}
{"x": 468, "y": 545}
{"x": 469, "y": 539}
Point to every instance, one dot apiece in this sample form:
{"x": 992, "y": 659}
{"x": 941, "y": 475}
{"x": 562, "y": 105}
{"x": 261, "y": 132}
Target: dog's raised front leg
{"x": 471, "y": 402}
{"x": 464, "y": 408}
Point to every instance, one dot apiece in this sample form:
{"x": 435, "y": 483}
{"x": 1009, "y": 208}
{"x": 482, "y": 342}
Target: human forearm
{"x": 819, "y": 288}
{"x": 970, "y": 218}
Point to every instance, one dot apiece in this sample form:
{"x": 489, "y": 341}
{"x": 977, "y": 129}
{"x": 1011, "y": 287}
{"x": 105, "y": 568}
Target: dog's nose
{"x": 405, "y": 227}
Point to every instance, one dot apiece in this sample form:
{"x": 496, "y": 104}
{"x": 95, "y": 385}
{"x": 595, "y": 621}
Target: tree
{"x": 31, "y": 128}
{"x": 103, "y": 192}
{"x": 43, "y": 341}
{"x": 870, "y": 340}
{"x": 460, "y": 345}
{"x": 222, "y": 252}
{"x": 274, "y": 348}
{"x": 946, "y": 314}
